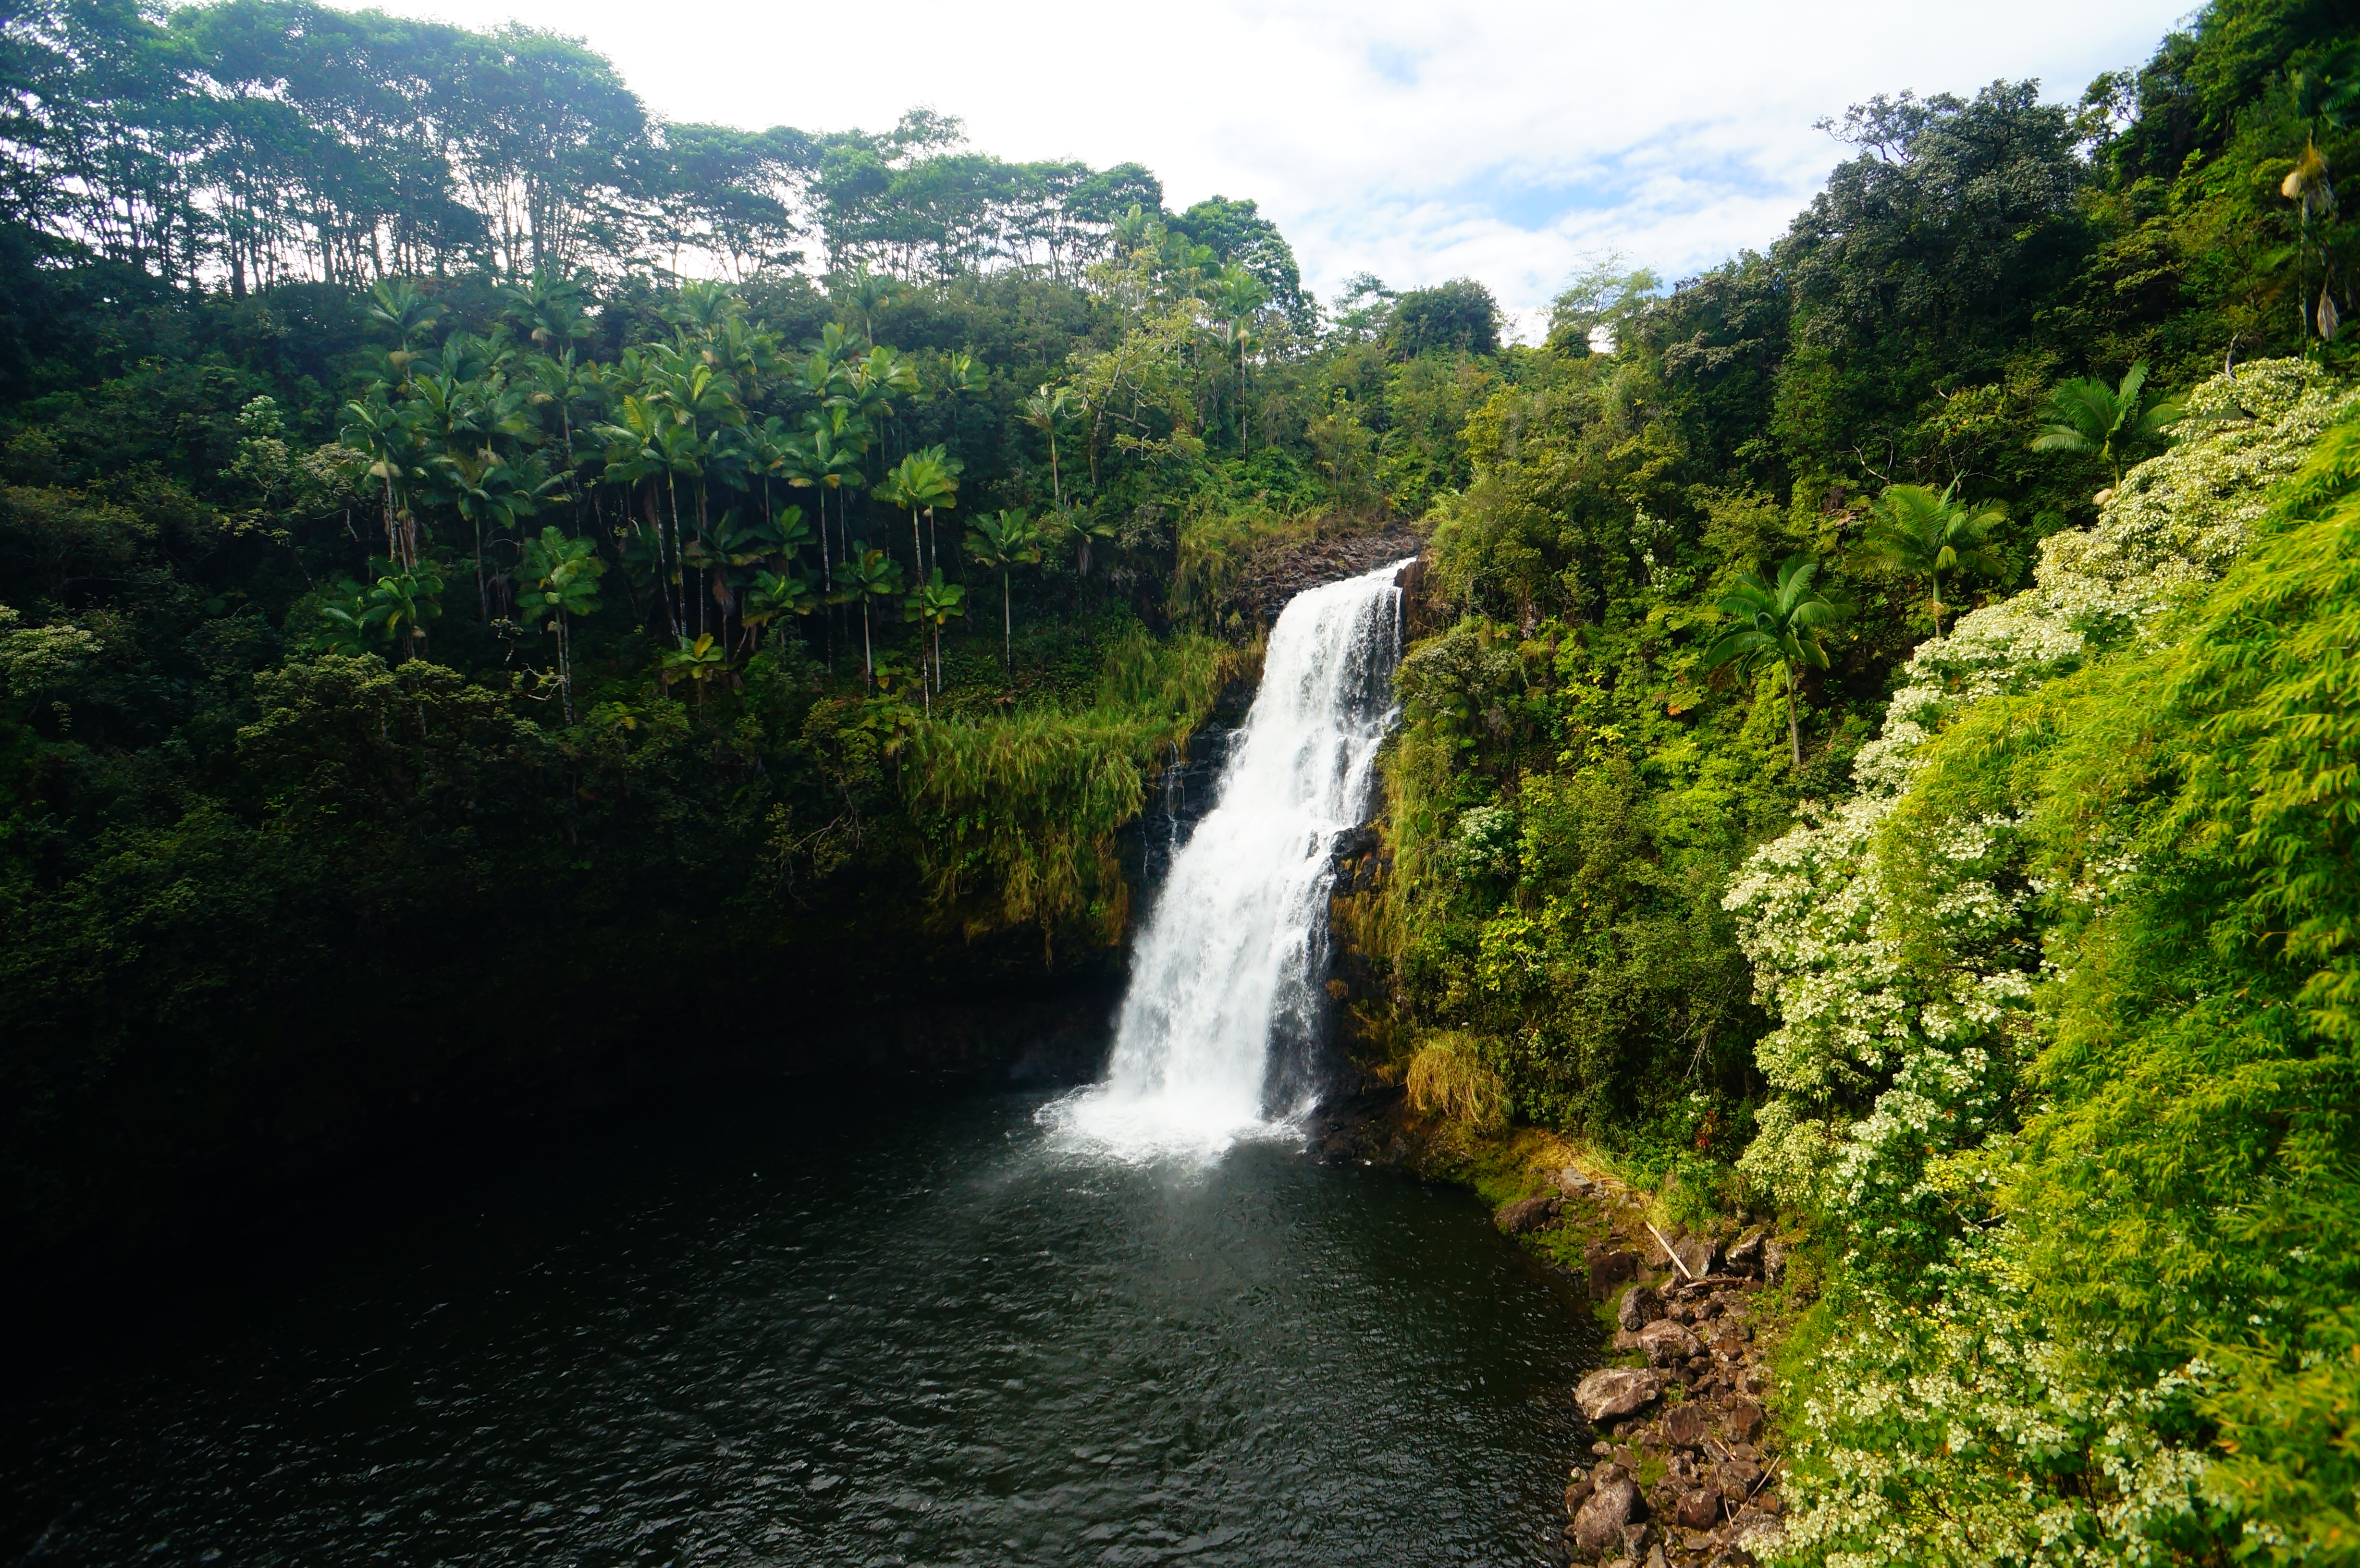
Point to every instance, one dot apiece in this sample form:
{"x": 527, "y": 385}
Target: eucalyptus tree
{"x": 1926, "y": 532}
{"x": 1003, "y": 542}
{"x": 1782, "y": 623}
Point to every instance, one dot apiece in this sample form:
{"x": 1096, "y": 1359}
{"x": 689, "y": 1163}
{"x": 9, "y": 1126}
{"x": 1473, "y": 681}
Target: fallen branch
{"x": 1667, "y": 1250}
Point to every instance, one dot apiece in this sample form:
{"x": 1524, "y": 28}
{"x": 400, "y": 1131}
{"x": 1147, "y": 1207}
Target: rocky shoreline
{"x": 1684, "y": 1468}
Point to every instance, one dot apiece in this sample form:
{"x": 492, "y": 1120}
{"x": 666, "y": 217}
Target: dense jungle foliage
{"x": 1892, "y": 762}
{"x": 470, "y": 591}
{"x": 485, "y": 574}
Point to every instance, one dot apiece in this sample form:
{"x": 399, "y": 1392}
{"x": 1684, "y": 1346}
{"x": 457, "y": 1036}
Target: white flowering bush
{"x": 1903, "y": 940}
{"x": 1892, "y": 951}
{"x": 1961, "y": 1430}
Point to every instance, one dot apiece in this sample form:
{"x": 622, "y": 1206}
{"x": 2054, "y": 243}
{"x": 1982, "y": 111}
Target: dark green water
{"x": 824, "y": 1326}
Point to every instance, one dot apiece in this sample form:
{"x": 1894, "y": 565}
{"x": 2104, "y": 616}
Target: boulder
{"x": 1613, "y": 1498}
{"x": 1608, "y": 1269}
{"x": 1579, "y": 1493}
{"x": 1614, "y": 1391}
{"x": 1744, "y": 1421}
{"x": 1746, "y": 1257}
{"x": 1699, "y": 1508}
{"x": 1774, "y": 1262}
{"x": 1526, "y": 1215}
{"x": 1572, "y": 1183}
{"x": 1697, "y": 1255}
{"x": 1737, "y": 1477}
{"x": 1641, "y": 1306}
{"x": 1684, "y": 1426}
{"x": 1667, "y": 1342}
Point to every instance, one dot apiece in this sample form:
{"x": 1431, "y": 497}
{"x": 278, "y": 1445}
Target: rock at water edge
{"x": 1613, "y": 1391}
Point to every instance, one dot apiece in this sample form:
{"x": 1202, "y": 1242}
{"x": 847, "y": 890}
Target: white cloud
{"x": 1419, "y": 142}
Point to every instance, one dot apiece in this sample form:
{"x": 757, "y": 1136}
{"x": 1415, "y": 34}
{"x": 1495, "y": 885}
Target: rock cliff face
{"x": 1279, "y": 575}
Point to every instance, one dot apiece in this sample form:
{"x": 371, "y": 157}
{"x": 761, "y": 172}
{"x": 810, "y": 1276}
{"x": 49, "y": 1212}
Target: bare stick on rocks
{"x": 1667, "y": 1248}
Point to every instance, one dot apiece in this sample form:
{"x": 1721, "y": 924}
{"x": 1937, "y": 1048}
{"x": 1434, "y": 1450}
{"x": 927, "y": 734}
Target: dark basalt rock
{"x": 1526, "y": 1215}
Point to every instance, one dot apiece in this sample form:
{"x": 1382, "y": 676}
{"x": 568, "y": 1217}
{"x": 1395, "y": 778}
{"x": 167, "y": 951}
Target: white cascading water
{"x": 1228, "y": 969}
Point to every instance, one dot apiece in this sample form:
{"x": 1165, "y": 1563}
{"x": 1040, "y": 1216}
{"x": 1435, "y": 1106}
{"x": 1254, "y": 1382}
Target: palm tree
{"x": 547, "y": 309}
{"x": 647, "y": 443}
{"x": 1782, "y": 626}
{"x": 874, "y": 577}
{"x": 1087, "y": 530}
{"x": 932, "y": 605}
{"x": 776, "y": 593}
{"x": 2307, "y": 184}
{"x": 700, "y": 663}
{"x": 867, "y": 292}
{"x": 1926, "y": 533}
{"x": 1041, "y": 411}
{"x": 1135, "y": 230}
{"x": 962, "y": 376}
{"x": 560, "y": 579}
{"x": 381, "y": 434}
{"x": 344, "y": 623}
{"x": 483, "y": 489}
{"x": 921, "y": 482}
{"x": 397, "y": 306}
{"x": 2092, "y": 416}
{"x": 406, "y": 600}
{"x": 1001, "y": 542}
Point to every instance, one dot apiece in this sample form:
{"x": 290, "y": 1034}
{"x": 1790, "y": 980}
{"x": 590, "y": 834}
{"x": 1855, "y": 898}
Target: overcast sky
{"x": 1508, "y": 141}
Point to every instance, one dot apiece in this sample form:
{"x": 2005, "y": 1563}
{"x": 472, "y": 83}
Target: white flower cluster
{"x": 1897, "y": 946}
{"x": 1935, "y": 1434}
{"x": 1819, "y": 910}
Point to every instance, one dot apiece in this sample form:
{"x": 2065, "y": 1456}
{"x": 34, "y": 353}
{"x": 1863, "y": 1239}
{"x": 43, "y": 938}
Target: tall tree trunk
{"x": 1793, "y": 724}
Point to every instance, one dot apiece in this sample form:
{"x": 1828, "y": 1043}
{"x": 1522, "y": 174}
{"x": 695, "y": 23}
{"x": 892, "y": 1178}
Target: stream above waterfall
{"x": 824, "y": 1324}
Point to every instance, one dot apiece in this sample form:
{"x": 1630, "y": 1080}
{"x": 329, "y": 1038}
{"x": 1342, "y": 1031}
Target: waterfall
{"x": 1225, "y": 993}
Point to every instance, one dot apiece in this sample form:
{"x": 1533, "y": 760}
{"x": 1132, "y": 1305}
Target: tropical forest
{"x": 795, "y": 846}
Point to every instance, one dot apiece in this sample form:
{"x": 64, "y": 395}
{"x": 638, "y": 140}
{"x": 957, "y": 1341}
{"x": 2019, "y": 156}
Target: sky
{"x": 1508, "y": 141}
